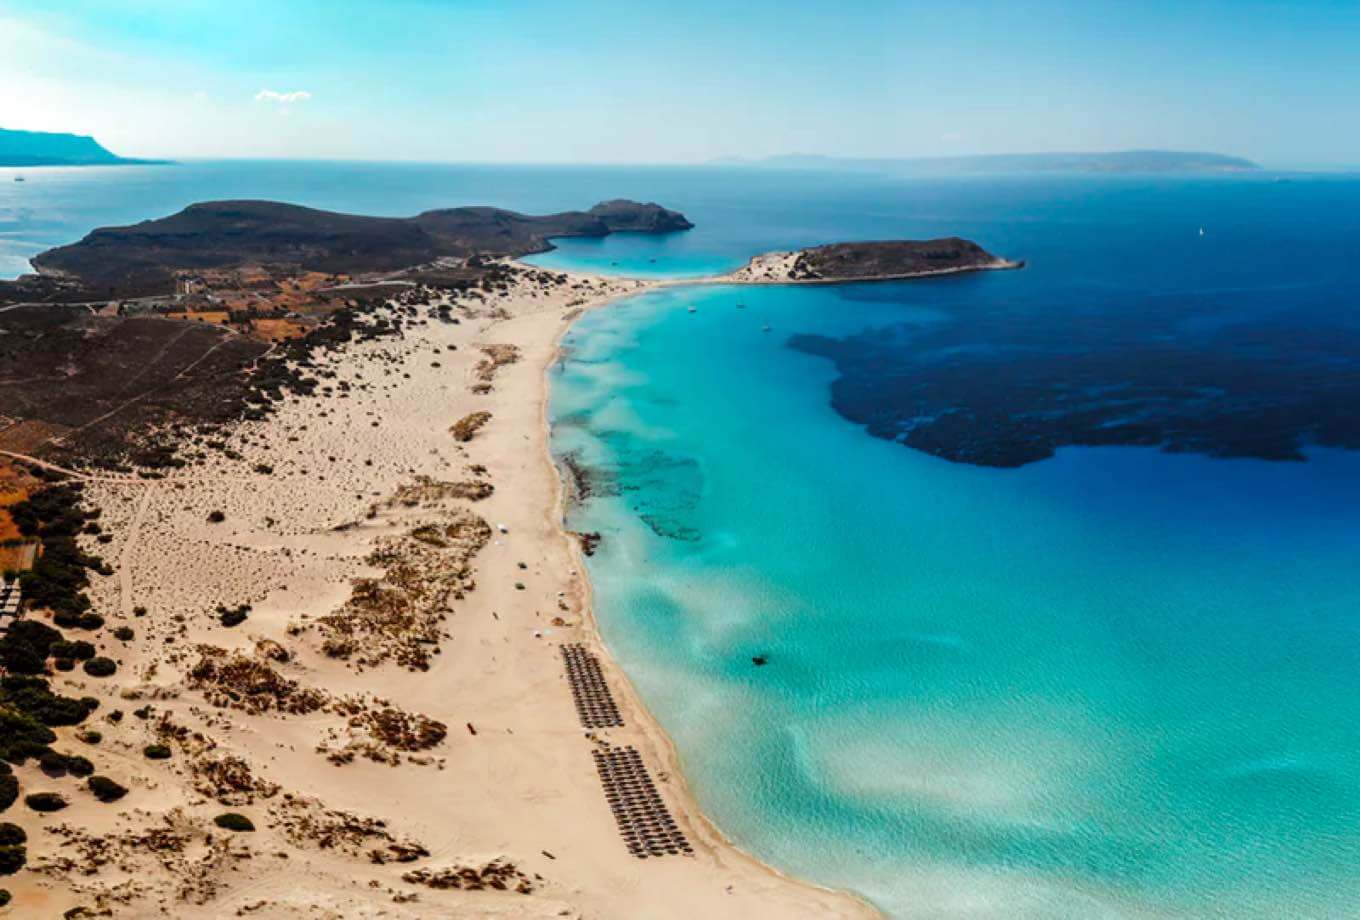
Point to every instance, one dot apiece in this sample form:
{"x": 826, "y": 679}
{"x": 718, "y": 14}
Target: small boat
{"x": 741, "y": 306}
{"x": 20, "y": 179}
{"x": 765, "y": 328}
{"x": 694, "y": 309}
{"x": 1201, "y": 231}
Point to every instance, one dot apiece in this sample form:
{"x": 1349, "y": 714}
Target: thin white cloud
{"x": 269, "y": 95}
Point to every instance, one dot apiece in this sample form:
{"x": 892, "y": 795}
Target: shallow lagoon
{"x": 1118, "y": 682}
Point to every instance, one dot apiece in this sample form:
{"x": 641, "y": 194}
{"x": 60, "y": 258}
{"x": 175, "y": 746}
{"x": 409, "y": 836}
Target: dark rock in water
{"x": 759, "y": 660}
{"x": 590, "y": 541}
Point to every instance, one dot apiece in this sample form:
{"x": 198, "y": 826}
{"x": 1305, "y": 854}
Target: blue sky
{"x": 615, "y": 81}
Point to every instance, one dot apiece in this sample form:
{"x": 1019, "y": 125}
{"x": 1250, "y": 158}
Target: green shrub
{"x": 217, "y": 517}
{"x": 90, "y": 736}
{"x": 22, "y": 736}
{"x": 58, "y": 578}
{"x": 9, "y": 786}
{"x": 156, "y": 752}
{"x": 234, "y": 822}
{"x": 5, "y": 898}
{"x": 77, "y": 765}
{"x": 34, "y": 632}
{"x": 12, "y": 835}
{"x": 100, "y": 667}
{"x": 45, "y": 801}
{"x": 63, "y": 664}
{"x": 33, "y": 696}
{"x": 53, "y": 764}
{"x": 25, "y": 646}
{"x": 79, "y": 650}
{"x": 105, "y": 789}
{"x": 233, "y": 616}
{"x": 12, "y": 859}
{"x": 123, "y": 633}
{"x": 20, "y": 659}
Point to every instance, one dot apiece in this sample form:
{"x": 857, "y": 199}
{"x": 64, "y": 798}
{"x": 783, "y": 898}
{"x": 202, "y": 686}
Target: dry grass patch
{"x": 496, "y": 357}
{"x": 399, "y": 616}
{"x": 426, "y": 492}
{"x": 496, "y": 875}
{"x": 233, "y": 681}
{"x": 381, "y": 735}
{"x": 177, "y": 860}
{"x": 308, "y": 823}
{"x": 466, "y": 428}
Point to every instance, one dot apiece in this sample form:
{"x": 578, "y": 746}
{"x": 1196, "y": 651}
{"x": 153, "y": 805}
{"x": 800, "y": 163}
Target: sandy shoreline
{"x": 366, "y": 486}
{"x": 663, "y": 747}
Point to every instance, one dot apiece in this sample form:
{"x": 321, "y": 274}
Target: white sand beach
{"x": 314, "y": 718}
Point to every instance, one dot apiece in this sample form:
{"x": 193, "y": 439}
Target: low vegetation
{"x": 232, "y": 616}
{"x": 234, "y": 822}
{"x": 105, "y": 789}
{"x": 466, "y": 428}
{"x": 100, "y": 667}
{"x": 58, "y": 579}
{"x": 45, "y": 801}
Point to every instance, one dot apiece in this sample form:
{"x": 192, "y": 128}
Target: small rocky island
{"x": 880, "y": 260}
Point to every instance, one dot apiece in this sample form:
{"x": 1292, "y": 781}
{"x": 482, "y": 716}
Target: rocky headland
{"x": 144, "y": 258}
{"x": 877, "y": 260}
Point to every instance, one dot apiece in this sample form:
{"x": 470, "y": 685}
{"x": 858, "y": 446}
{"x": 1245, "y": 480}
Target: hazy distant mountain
{"x": 1120, "y": 161}
{"x": 39, "y": 148}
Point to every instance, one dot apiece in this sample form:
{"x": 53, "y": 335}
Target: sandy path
{"x": 125, "y": 558}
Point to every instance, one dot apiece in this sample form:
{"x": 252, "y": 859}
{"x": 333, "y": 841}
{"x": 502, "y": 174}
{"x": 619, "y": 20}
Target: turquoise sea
{"x": 1118, "y": 682}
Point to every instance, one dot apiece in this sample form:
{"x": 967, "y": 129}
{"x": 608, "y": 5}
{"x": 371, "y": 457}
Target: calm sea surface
{"x": 1118, "y": 682}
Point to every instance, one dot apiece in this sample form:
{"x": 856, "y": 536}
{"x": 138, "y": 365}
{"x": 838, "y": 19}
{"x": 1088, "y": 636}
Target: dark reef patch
{"x": 1213, "y": 374}
{"x": 662, "y": 489}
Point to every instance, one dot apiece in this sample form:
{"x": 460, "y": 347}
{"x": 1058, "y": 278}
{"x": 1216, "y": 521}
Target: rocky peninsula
{"x": 877, "y": 260}
{"x": 144, "y": 258}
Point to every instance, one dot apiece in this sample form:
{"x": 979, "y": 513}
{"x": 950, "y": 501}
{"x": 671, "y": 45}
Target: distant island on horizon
{"x": 43, "y": 148}
{"x": 1117, "y": 161}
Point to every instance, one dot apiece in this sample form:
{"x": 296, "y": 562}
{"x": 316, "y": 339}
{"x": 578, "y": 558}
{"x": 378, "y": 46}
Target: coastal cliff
{"x": 41, "y": 148}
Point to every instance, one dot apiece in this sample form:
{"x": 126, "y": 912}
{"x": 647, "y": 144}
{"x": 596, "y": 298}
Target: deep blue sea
{"x": 1117, "y": 682}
